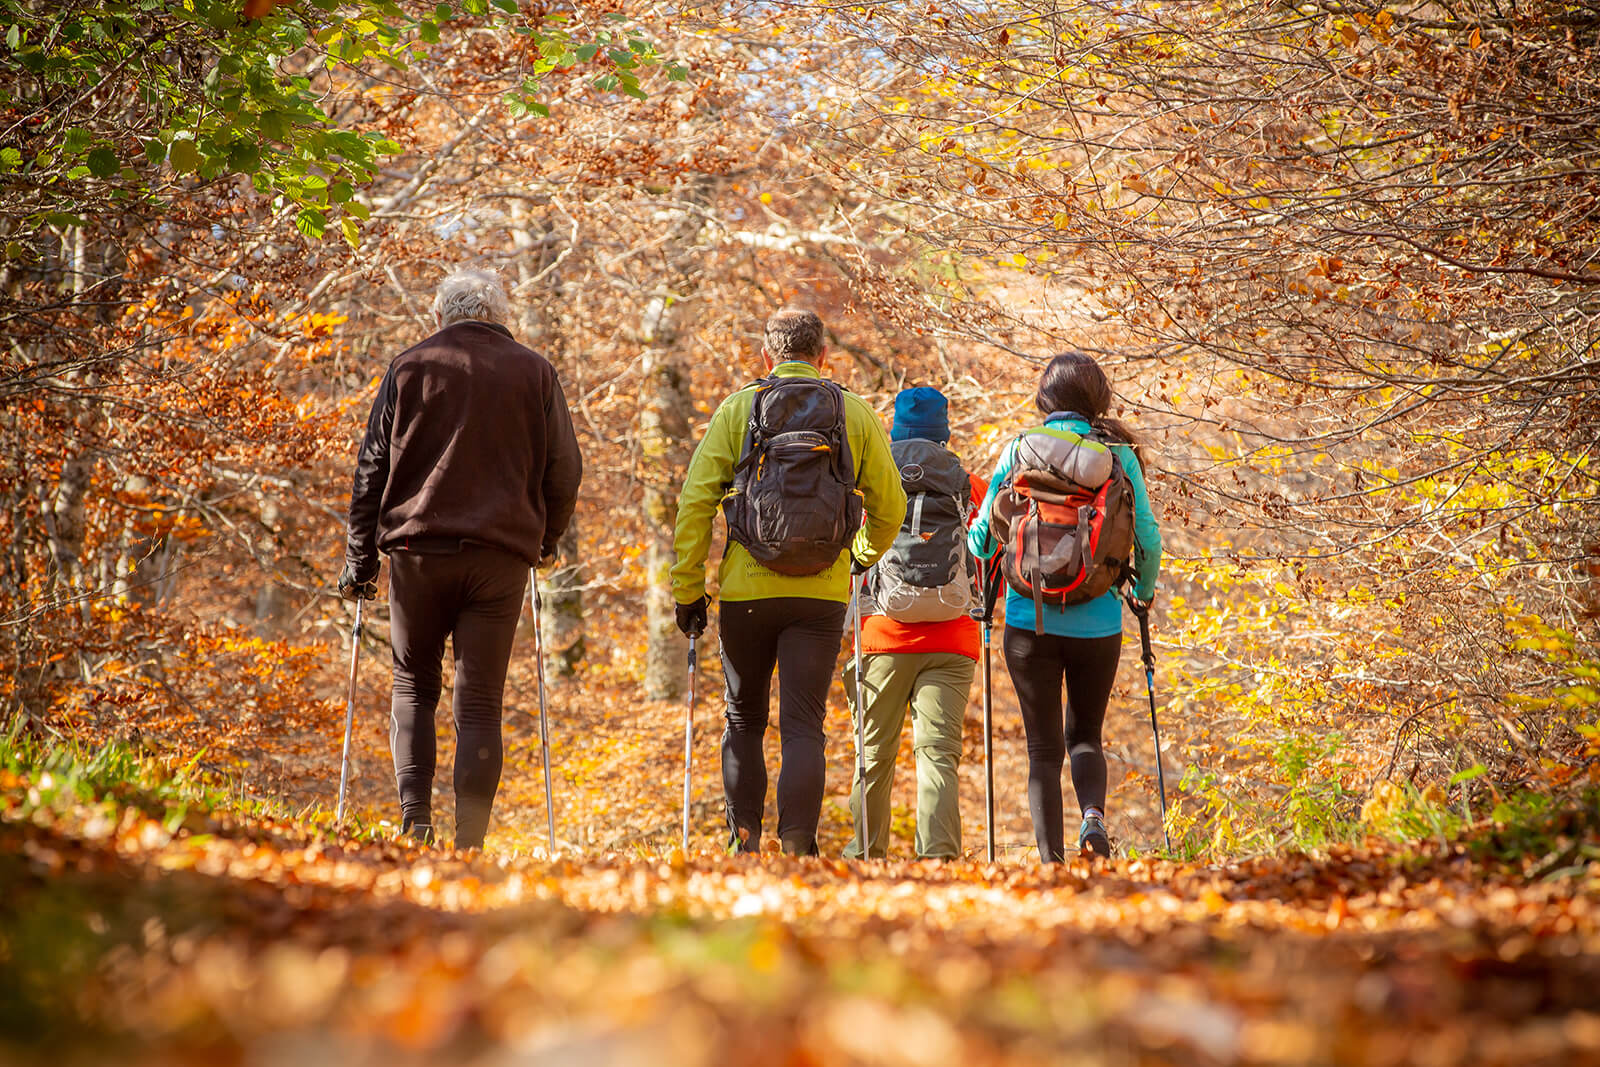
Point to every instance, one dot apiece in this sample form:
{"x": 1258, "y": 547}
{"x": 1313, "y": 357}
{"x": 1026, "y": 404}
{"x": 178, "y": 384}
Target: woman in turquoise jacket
{"x": 1080, "y": 644}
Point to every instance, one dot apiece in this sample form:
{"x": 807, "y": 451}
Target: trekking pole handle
{"x": 1141, "y": 611}
{"x": 989, "y": 569}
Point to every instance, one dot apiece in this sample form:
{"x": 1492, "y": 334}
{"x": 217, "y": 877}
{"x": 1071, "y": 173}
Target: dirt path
{"x": 234, "y": 942}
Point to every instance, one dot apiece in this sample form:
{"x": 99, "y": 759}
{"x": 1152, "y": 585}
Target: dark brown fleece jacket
{"x": 469, "y": 438}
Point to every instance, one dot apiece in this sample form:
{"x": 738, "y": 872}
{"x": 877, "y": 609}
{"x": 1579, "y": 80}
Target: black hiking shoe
{"x": 798, "y": 846}
{"x": 741, "y": 842}
{"x": 421, "y": 833}
{"x": 1092, "y": 837}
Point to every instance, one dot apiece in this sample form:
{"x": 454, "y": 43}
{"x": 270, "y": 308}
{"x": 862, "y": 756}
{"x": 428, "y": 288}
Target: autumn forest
{"x": 1339, "y": 259}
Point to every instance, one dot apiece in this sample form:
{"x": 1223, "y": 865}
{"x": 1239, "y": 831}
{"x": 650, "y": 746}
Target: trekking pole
{"x": 349, "y": 711}
{"x": 1147, "y": 654}
{"x": 991, "y": 590}
{"x": 544, "y": 725}
{"x": 688, "y": 743}
{"x": 856, "y": 581}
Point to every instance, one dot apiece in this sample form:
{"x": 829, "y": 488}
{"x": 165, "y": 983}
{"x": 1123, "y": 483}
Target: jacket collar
{"x": 795, "y": 368}
{"x": 495, "y": 326}
{"x": 1069, "y": 417}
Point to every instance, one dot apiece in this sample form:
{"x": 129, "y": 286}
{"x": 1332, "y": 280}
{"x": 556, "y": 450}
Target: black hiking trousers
{"x": 800, "y": 637}
{"x": 472, "y": 595}
{"x": 1038, "y": 665}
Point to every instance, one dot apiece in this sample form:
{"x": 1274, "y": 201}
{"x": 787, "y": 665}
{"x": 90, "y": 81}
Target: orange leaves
{"x": 272, "y": 933}
{"x": 264, "y": 932}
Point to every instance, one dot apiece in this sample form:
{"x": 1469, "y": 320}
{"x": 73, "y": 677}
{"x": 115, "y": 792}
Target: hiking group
{"x": 469, "y": 474}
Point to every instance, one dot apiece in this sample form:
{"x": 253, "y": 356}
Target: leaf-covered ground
{"x": 136, "y": 930}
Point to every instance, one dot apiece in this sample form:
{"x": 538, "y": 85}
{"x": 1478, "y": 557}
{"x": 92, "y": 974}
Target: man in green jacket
{"x": 793, "y": 622}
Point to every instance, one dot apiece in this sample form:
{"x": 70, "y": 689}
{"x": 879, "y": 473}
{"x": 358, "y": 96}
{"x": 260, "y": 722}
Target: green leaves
{"x": 184, "y": 156}
{"x": 222, "y": 105}
{"x": 620, "y": 55}
{"x": 214, "y": 86}
{"x": 311, "y": 223}
{"x": 103, "y": 162}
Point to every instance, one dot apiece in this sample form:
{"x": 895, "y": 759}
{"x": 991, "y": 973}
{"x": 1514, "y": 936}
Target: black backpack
{"x": 925, "y": 576}
{"x": 793, "y": 503}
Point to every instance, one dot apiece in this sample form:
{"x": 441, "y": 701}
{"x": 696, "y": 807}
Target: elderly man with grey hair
{"x": 468, "y": 475}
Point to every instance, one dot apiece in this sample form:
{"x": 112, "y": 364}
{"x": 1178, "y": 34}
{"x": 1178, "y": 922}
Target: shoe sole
{"x": 1086, "y": 847}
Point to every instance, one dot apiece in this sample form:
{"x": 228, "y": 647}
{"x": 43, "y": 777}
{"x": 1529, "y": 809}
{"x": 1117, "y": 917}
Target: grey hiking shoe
{"x": 1092, "y": 837}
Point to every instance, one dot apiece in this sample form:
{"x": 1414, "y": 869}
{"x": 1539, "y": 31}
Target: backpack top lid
{"x": 785, "y": 404}
{"x": 1072, "y": 457}
{"x": 929, "y": 467}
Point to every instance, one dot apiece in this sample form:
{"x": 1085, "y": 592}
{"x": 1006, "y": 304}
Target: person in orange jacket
{"x": 919, "y": 639}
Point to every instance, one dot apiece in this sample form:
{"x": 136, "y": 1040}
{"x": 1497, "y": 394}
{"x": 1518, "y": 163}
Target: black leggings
{"x": 1037, "y": 664}
{"x": 800, "y": 636}
{"x": 474, "y": 597}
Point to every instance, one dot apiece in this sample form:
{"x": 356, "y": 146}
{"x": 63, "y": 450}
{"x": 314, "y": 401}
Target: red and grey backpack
{"x": 1064, "y": 520}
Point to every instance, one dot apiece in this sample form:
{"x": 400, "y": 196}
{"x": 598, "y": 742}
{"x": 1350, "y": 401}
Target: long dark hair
{"x": 1074, "y": 382}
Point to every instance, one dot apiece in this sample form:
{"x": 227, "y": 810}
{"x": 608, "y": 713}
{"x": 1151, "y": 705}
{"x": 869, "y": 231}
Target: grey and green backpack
{"x": 926, "y": 575}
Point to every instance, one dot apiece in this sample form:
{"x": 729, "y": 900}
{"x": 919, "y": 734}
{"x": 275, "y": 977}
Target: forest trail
{"x": 618, "y": 773}
{"x": 171, "y": 936}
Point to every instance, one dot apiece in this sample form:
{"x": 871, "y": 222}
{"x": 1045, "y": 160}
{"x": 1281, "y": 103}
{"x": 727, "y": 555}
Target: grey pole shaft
{"x": 861, "y": 713}
{"x": 349, "y": 711}
{"x": 688, "y": 743}
{"x": 988, "y": 747}
{"x": 544, "y": 723}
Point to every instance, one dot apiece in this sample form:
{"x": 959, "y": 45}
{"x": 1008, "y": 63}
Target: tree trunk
{"x": 561, "y": 625}
{"x": 667, "y": 407}
{"x": 663, "y": 440}
{"x": 562, "y": 622}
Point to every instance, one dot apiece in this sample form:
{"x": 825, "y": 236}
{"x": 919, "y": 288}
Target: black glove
{"x": 692, "y": 617}
{"x": 353, "y": 588}
{"x": 857, "y": 567}
{"x": 1140, "y": 608}
{"x": 547, "y": 561}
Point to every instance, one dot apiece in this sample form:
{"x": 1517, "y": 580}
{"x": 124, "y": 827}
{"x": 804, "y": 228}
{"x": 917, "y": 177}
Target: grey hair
{"x": 470, "y": 294}
{"x": 794, "y": 333}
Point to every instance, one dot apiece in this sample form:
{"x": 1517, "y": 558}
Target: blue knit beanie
{"x": 921, "y": 412}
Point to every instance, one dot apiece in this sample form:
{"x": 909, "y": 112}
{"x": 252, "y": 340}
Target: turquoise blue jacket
{"x": 1102, "y": 616}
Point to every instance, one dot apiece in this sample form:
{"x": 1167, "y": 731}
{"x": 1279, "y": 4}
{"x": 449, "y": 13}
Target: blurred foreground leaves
{"x": 142, "y": 935}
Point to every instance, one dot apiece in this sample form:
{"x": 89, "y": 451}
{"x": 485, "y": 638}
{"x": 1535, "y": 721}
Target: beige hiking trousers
{"x": 934, "y": 686}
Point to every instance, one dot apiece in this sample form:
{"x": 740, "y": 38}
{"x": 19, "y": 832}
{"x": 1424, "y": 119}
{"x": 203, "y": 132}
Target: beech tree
{"x": 1343, "y": 257}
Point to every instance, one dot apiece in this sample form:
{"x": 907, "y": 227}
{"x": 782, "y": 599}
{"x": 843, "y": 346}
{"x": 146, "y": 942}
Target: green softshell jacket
{"x": 711, "y": 473}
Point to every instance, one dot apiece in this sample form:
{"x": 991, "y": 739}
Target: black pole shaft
{"x": 989, "y": 574}
{"x": 1147, "y": 654}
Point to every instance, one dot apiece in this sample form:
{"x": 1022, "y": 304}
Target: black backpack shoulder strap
{"x": 752, "y": 427}
{"x": 844, "y": 463}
